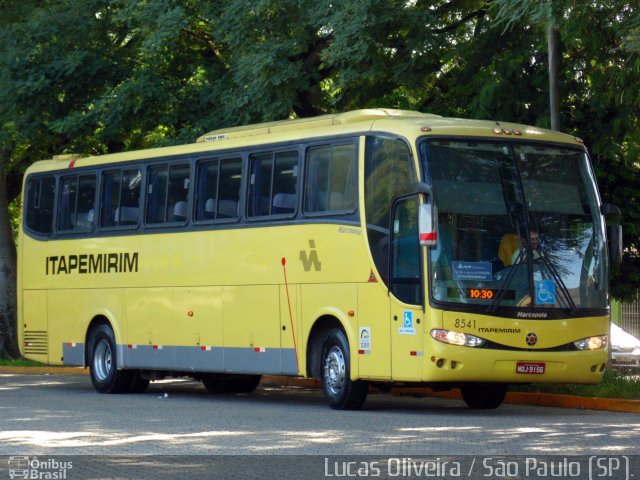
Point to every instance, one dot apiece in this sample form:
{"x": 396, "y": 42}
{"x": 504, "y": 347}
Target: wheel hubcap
{"x": 334, "y": 370}
{"x": 102, "y": 360}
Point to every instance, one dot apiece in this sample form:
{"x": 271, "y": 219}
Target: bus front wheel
{"x": 103, "y": 366}
{"x": 341, "y": 392}
{"x": 484, "y": 396}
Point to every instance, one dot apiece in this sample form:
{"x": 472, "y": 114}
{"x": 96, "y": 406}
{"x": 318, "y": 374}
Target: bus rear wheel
{"x": 139, "y": 382}
{"x": 341, "y": 392}
{"x": 484, "y": 396}
{"x": 103, "y": 363}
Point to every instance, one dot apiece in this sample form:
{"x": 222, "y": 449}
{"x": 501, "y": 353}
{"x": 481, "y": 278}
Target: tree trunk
{"x": 554, "y": 81}
{"x": 8, "y": 310}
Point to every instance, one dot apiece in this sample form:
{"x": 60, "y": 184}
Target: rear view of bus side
{"x": 374, "y": 247}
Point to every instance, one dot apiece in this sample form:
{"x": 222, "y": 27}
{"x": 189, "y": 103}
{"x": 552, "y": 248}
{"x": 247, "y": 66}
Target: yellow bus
{"x": 369, "y": 248}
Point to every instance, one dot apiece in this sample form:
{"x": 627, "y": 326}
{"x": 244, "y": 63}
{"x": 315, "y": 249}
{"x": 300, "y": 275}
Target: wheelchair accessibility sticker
{"x": 545, "y": 292}
{"x": 407, "y": 324}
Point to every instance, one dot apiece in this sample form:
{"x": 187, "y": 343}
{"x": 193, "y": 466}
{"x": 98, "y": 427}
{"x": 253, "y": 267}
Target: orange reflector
{"x": 497, "y": 130}
{"x": 426, "y": 129}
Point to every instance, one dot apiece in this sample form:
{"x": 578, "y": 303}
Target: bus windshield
{"x": 518, "y": 226}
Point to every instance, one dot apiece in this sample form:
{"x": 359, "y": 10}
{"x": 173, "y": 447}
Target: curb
{"x": 516, "y": 398}
{"x": 43, "y": 370}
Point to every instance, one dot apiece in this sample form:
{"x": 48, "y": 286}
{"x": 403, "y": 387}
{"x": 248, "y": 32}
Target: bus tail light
{"x": 457, "y": 338}
{"x": 592, "y": 343}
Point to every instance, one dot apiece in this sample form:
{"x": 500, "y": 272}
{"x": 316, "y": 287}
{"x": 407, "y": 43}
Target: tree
{"x": 109, "y": 75}
{"x": 599, "y": 77}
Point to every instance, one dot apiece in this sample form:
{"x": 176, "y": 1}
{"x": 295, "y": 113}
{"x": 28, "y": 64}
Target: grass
{"x": 20, "y": 362}
{"x": 614, "y": 385}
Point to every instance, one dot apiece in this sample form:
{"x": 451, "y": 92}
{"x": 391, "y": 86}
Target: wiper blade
{"x": 558, "y": 279}
{"x": 507, "y": 280}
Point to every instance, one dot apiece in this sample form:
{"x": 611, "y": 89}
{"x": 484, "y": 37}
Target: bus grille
{"x": 35, "y": 342}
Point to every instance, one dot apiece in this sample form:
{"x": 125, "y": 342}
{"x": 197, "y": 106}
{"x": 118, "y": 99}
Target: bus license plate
{"x": 530, "y": 368}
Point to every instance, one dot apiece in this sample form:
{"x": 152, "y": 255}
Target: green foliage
{"x": 14, "y": 216}
{"x": 614, "y": 385}
{"x": 108, "y": 75}
{"x": 20, "y": 362}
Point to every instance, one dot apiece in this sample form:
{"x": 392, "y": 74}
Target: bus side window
{"x": 178, "y": 193}
{"x": 76, "y": 202}
{"x": 39, "y": 205}
{"x": 273, "y": 184}
{"x": 130, "y": 197}
{"x": 120, "y": 195}
{"x": 330, "y": 182}
{"x": 167, "y": 194}
{"x": 285, "y": 183}
{"x": 218, "y": 189}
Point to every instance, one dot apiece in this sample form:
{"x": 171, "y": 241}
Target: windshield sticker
{"x": 545, "y": 292}
{"x": 472, "y": 271}
{"x": 407, "y": 324}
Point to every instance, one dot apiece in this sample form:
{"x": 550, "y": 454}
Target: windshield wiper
{"x": 558, "y": 279}
{"x": 507, "y": 280}
{"x": 518, "y": 264}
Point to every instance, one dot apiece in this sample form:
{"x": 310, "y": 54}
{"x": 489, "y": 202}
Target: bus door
{"x": 406, "y": 292}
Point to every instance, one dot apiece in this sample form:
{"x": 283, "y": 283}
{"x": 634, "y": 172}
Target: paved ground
{"x": 178, "y": 429}
{"x": 63, "y": 414}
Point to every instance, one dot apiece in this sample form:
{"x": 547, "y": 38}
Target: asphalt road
{"x": 63, "y": 415}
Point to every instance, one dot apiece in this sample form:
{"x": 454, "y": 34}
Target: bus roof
{"x": 409, "y": 124}
{"x": 355, "y": 116}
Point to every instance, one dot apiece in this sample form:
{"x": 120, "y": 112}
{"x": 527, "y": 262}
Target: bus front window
{"x": 519, "y": 226}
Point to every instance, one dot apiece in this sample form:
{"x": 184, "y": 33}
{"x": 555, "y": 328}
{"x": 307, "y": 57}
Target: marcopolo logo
{"x": 34, "y": 468}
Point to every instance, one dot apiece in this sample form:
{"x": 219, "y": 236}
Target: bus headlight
{"x": 457, "y": 338}
{"x": 592, "y": 343}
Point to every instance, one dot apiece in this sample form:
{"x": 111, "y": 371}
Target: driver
{"x": 520, "y": 255}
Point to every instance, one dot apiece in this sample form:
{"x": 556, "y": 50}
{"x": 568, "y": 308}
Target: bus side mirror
{"x": 615, "y": 243}
{"x": 614, "y": 232}
{"x": 428, "y": 223}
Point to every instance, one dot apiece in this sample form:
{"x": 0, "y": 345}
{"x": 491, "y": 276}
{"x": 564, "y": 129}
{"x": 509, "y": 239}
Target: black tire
{"x": 103, "y": 363}
{"x": 341, "y": 392}
{"x": 139, "y": 383}
{"x": 484, "y": 396}
{"x": 216, "y": 382}
{"x": 244, "y": 384}
{"x": 224, "y": 383}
